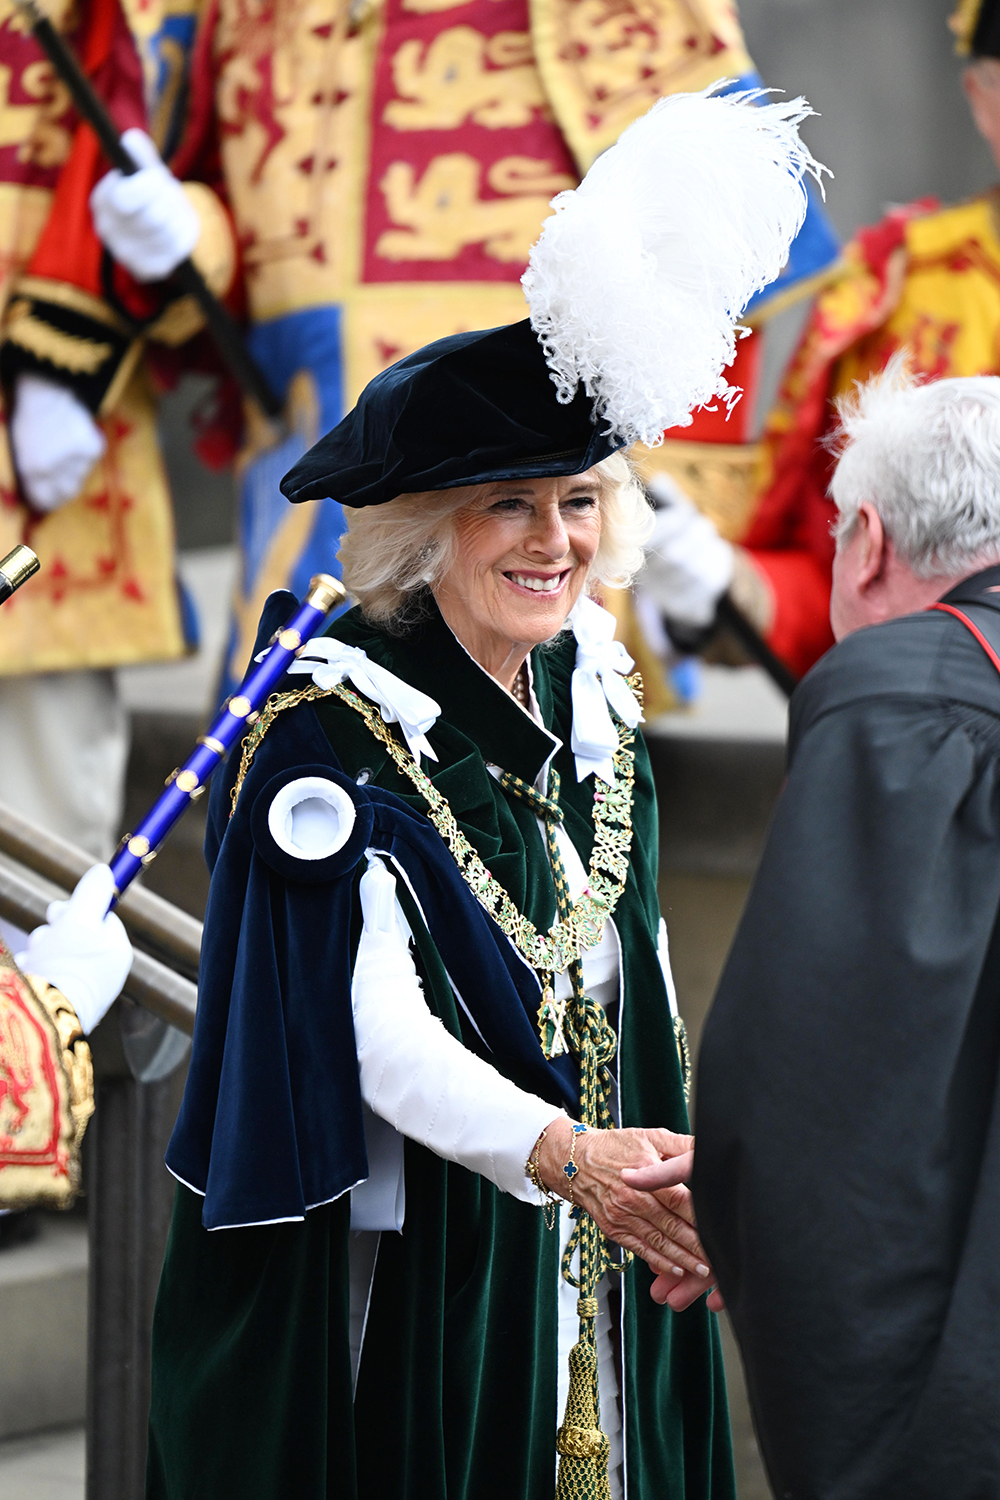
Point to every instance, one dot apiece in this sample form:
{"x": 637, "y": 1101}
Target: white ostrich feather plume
{"x": 639, "y": 277}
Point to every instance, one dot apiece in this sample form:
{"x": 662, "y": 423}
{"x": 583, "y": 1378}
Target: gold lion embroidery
{"x": 34, "y": 128}
{"x": 17, "y": 1078}
{"x": 603, "y": 62}
{"x": 638, "y": 45}
{"x": 449, "y": 82}
{"x": 443, "y": 212}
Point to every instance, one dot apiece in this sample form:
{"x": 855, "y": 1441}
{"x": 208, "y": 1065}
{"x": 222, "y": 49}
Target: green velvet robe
{"x": 456, "y": 1391}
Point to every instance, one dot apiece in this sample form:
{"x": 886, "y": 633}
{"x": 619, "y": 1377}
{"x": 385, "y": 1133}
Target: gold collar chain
{"x": 555, "y": 950}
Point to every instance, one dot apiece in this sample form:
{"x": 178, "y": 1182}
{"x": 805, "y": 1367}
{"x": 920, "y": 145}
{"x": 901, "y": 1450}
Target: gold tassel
{"x": 580, "y": 1443}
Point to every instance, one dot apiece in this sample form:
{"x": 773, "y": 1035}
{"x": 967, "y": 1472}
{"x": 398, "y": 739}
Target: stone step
{"x": 43, "y": 1328}
{"x": 47, "y": 1466}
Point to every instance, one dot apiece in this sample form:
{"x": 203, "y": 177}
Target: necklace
{"x": 581, "y": 928}
{"x": 520, "y": 688}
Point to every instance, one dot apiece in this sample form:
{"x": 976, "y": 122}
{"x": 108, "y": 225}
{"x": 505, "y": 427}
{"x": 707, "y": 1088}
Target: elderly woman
{"x": 434, "y": 1291}
{"x": 436, "y": 1018}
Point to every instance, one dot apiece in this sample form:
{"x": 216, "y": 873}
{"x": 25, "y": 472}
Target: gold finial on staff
{"x": 16, "y": 568}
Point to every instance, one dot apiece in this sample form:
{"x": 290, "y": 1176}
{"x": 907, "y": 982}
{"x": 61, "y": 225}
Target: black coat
{"x": 847, "y": 1177}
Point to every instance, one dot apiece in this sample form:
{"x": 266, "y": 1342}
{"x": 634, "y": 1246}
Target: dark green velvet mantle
{"x": 456, "y": 1395}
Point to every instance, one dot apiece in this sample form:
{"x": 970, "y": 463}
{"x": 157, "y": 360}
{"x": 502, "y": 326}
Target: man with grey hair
{"x": 847, "y": 1169}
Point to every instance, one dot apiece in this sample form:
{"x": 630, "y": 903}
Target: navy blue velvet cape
{"x": 271, "y": 1121}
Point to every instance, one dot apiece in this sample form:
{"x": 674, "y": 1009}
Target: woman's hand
{"x": 659, "y": 1226}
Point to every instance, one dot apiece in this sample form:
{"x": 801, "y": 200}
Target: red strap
{"x": 949, "y": 609}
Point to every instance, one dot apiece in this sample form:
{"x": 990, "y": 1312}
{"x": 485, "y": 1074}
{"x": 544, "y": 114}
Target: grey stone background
{"x": 882, "y": 75}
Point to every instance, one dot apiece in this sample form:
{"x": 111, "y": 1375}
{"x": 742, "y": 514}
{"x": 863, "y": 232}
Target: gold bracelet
{"x": 571, "y": 1167}
{"x": 550, "y": 1201}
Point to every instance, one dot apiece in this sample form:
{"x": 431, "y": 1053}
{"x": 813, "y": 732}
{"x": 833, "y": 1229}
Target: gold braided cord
{"x": 551, "y": 952}
{"x": 580, "y": 1027}
{"x": 275, "y": 705}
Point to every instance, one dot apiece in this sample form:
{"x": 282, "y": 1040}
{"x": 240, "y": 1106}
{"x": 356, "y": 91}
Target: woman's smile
{"x": 528, "y": 581}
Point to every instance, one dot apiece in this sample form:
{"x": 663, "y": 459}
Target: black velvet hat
{"x": 469, "y": 409}
{"x": 634, "y": 287}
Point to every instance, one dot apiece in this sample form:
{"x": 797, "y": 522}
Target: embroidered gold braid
{"x": 580, "y": 1027}
{"x": 551, "y": 952}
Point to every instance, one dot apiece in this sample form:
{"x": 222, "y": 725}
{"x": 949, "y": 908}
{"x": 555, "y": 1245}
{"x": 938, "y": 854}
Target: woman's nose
{"x": 549, "y": 533}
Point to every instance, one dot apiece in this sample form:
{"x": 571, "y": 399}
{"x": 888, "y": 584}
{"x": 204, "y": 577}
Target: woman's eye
{"x": 580, "y": 502}
{"x": 507, "y": 505}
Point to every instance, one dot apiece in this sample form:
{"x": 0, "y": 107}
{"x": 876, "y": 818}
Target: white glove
{"x": 688, "y": 565}
{"x": 56, "y": 441}
{"x": 145, "y": 219}
{"x": 82, "y": 950}
{"x": 420, "y": 1078}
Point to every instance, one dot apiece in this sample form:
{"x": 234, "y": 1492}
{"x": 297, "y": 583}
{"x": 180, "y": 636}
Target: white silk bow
{"x": 598, "y": 680}
{"x": 329, "y": 661}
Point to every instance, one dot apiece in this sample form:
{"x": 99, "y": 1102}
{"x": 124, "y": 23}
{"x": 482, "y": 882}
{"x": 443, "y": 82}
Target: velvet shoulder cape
{"x": 251, "y": 1330}
{"x": 265, "y": 1030}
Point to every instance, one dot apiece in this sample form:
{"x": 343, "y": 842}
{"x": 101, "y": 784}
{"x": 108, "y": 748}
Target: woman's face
{"x": 522, "y": 554}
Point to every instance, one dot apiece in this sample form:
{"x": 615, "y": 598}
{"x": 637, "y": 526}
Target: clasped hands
{"x": 631, "y": 1182}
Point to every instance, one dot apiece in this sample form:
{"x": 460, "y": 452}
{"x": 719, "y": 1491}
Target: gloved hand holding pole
{"x": 223, "y": 328}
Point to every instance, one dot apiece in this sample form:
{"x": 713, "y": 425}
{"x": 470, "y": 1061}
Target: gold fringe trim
{"x": 80, "y": 356}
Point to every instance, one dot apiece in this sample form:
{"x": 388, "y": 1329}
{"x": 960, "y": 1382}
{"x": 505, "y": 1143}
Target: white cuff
{"x": 689, "y": 566}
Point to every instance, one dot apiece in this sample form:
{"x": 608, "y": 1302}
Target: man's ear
{"x": 981, "y": 83}
{"x": 872, "y": 544}
{"x": 973, "y": 91}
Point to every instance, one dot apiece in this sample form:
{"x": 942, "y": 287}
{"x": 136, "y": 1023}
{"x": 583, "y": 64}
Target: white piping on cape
{"x": 263, "y": 1223}
{"x": 624, "y": 1280}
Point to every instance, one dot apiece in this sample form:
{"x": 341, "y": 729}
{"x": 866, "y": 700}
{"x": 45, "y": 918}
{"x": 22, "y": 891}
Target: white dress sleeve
{"x": 418, "y": 1077}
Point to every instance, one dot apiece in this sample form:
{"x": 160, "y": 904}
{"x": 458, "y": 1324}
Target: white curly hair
{"x": 393, "y": 555}
{"x": 927, "y": 457}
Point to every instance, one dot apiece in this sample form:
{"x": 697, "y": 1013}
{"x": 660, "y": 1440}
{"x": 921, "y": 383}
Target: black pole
{"x": 730, "y": 615}
{"x": 223, "y": 327}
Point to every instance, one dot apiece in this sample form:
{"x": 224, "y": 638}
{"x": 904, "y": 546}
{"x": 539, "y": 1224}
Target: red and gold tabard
{"x": 925, "y": 279}
{"x": 398, "y": 160}
{"x": 106, "y": 594}
{"x": 46, "y": 1092}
